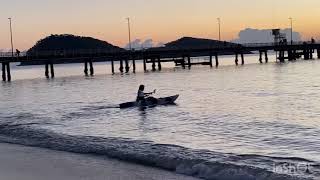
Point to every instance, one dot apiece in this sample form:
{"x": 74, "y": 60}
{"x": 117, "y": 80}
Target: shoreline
{"x": 32, "y": 163}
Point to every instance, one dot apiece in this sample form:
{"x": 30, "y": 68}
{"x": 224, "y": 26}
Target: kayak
{"x": 151, "y": 102}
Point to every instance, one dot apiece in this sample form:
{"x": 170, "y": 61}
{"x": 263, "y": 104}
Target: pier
{"x": 157, "y": 56}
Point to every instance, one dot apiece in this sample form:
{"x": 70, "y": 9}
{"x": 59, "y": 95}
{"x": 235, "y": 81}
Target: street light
{"x": 129, "y": 31}
{"x": 11, "y": 37}
{"x": 291, "y": 29}
{"x": 219, "y": 24}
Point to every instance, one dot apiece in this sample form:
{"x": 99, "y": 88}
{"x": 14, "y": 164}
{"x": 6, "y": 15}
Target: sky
{"x": 159, "y": 20}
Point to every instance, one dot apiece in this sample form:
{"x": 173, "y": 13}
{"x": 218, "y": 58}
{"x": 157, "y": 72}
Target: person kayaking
{"x": 144, "y": 100}
{"x": 141, "y": 95}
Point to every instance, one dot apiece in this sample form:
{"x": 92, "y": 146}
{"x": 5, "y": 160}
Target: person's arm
{"x": 154, "y": 91}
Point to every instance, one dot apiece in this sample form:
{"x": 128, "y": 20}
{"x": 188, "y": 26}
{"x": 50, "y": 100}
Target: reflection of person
{"x": 18, "y": 52}
{"x": 141, "y": 95}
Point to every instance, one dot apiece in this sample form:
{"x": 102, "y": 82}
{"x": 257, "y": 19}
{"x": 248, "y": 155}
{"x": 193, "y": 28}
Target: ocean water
{"x": 257, "y": 121}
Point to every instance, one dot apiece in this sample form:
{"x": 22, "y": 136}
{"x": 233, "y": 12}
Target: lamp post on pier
{"x": 129, "y": 32}
{"x": 291, "y": 27}
{"x": 130, "y": 49}
{"x": 10, "y": 23}
{"x": 219, "y": 24}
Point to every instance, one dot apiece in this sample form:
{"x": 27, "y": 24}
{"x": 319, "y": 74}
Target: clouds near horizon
{"x": 250, "y": 35}
{"x": 139, "y": 44}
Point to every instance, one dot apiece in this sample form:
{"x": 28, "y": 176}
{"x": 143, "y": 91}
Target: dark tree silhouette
{"x": 197, "y": 43}
{"x": 71, "y": 42}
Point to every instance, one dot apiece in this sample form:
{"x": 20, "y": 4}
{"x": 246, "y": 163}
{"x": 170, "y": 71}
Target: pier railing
{"x": 9, "y": 54}
{"x": 275, "y": 44}
{"x": 93, "y": 52}
{"x": 60, "y": 53}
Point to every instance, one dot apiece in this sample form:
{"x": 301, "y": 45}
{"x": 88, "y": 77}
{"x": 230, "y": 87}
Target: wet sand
{"x": 30, "y": 163}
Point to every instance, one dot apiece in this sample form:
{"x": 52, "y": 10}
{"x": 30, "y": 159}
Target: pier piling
{"x": 260, "y": 57}
{"x": 236, "y": 60}
{"x": 159, "y": 64}
{"x": 318, "y": 53}
{"x": 91, "y": 68}
{"x": 311, "y": 53}
{"x": 281, "y": 57}
{"x": 51, "y": 70}
{"x": 8, "y": 72}
{"x": 189, "y": 62}
{"x": 266, "y": 56}
{"x": 153, "y": 64}
{"x": 85, "y": 68}
{"x": 242, "y": 59}
{"x": 145, "y": 64}
{"x": 133, "y": 65}
{"x": 210, "y": 61}
{"x": 217, "y": 60}
{"x": 112, "y": 66}
{"x": 290, "y": 55}
{"x": 127, "y": 65}
{"x": 306, "y": 54}
{"x": 46, "y": 73}
{"x": 121, "y": 66}
{"x": 183, "y": 63}
{"x": 4, "y": 76}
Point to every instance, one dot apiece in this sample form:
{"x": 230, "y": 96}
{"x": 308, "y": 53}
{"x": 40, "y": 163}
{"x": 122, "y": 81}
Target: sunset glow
{"x": 162, "y": 21}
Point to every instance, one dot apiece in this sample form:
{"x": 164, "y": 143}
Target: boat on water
{"x": 151, "y": 102}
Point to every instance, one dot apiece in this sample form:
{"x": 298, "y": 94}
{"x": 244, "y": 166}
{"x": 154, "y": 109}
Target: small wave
{"x": 21, "y": 116}
{"x": 25, "y": 119}
{"x": 198, "y": 163}
{"x": 100, "y": 107}
{"x": 278, "y": 158}
{"x": 89, "y": 111}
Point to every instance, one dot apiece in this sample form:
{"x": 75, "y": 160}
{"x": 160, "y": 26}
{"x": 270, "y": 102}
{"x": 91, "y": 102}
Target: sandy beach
{"x": 29, "y": 163}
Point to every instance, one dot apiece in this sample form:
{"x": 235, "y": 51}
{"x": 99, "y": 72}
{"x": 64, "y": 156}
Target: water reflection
{"x": 267, "y": 109}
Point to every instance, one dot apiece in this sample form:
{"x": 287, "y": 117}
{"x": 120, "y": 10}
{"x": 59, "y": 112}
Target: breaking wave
{"x": 198, "y": 163}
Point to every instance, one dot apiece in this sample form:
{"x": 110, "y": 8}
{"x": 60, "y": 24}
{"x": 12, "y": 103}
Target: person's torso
{"x": 140, "y": 94}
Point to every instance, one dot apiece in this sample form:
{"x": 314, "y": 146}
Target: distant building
{"x": 264, "y": 36}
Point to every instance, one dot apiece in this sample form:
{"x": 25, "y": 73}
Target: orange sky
{"x": 160, "y": 20}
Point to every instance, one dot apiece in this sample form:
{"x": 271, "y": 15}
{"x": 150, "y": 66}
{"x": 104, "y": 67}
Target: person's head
{"x": 141, "y": 87}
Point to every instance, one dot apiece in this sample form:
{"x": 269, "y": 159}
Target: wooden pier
{"x": 156, "y": 56}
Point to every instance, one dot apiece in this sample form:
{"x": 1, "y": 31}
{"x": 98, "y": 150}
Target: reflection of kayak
{"x": 150, "y": 102}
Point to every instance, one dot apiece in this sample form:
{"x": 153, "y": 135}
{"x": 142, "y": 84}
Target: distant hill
{"x": 197, "y": 43}
{"x": 188, "y": 43}
{"x": 71, "y": 42}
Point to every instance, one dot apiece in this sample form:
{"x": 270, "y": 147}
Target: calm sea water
{"x": 266, "y": 110}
